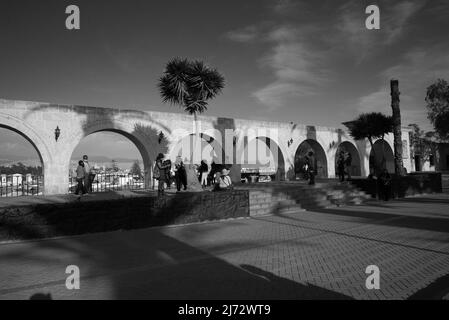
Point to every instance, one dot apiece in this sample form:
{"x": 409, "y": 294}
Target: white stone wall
{"x": 38, "y": 121}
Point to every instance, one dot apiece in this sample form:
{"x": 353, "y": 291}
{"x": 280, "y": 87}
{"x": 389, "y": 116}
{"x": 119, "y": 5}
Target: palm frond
{"x": 190, "y": 84}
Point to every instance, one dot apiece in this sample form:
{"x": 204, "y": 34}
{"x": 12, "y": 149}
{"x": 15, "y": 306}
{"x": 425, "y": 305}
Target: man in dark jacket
{"x": 180, "y": 174}
{"x": 311, "y": 163}
{"x": 384, "y": 182}
{"x": 348, "y": 164}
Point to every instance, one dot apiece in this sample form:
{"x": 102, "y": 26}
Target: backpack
{"x": 156, "y": 172}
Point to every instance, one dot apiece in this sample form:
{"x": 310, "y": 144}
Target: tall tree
{"x": 397, "y": 132}
{"x": 371, "y": 126}
{"x": 190, "y": 85}
{"x": 422, "y": 144}
{"x": 437, "y": 99}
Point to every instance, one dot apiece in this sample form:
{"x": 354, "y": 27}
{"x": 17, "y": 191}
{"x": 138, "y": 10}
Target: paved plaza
{"x": 299, "y": 255}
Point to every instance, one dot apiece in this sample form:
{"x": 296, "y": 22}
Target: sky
{"x": 310, "y": 62}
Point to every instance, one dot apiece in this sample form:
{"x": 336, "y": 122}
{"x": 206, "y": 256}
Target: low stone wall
{"x": 49, "y": 220}
{"x": 411, "y": 184}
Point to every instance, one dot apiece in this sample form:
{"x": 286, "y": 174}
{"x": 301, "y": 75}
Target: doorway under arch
{"x": 262, "y": 160}
{"x": 21, "y": 164}
{"x": 117, "y": 160}
{"x": 382, "y": 157}
{"x": 355, "y": 168}
{"x": 300, "y": 158}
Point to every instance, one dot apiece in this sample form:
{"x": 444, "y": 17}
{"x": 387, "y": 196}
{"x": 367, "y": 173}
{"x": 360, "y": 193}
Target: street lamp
{"x": 160, "y": 137}
{"x": 57, "y": 133}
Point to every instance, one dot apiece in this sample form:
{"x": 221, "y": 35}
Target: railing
{"x": 104, "y": 182}
{"x": 16, "y": 185}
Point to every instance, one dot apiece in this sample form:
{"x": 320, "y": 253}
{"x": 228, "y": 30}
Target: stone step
{"x": 289, "y": 197}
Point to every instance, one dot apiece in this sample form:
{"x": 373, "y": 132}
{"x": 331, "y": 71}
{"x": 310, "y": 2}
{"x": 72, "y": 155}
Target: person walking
{"x": 204, "y": 171}
{"x": 180, "y": 174}
{"x": 80, "y": 179}
{"x": 341, "y": 166}
{"x": 312, "y": 166}
{"x": 347, "y": 164}
{"x": 168, "y": 174}
{"x": 385, "y": 185}
{"x": 305, "y": 169}
{"x": 159, "y": 173}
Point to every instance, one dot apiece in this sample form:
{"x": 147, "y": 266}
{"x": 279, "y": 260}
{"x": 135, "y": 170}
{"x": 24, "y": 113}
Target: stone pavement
{"x": 303, "y": 255}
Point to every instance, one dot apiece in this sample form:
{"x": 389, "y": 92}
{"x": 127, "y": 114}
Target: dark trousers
{"x": 348, "y": 172}
{"x": 88, "y": 182}
{"x": 181, "y": 180}
{"x": 341, "y": 174}
{"x": 385, "y": 192}
{"x": 161, "y": 185}
{"x": 311, "y": 177}
{"x": 80, "y": 187}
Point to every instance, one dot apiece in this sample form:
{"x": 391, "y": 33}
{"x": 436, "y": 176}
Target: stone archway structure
{"x": 37, "y": 122}
{"x": 347, "y": 146}
{"x": 269, "y": 156}
{"x": 382, "y": 157}
{"x": 300, "y": 157}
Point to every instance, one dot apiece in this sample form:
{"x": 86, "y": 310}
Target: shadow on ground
{"x": 146, "y": 264}
{"x": 394, "y": 220}
{"x": 437, "y": 290}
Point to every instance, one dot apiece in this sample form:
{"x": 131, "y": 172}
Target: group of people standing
{"x": 164, "y": 172}
{"x": 84, "y": 177}
{"x": 344, "y": 162}
{"x": 215, "y": 175}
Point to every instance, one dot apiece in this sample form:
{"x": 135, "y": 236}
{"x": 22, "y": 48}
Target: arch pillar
{"x": 56, "y": 177}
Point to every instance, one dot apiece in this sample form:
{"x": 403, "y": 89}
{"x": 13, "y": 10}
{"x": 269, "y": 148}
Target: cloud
{"x": 288, "y": 6}
{"x": 275, "y": 94}
{"x": 305, "y": 56}
{"x": 439, "y": 10}
{"x": 396, "y": 21}
{"x": 353, "y": 36}
{"x": 298, "y": 69}
{"x": 247, "y": 34}
{"x": 419, "y": 69}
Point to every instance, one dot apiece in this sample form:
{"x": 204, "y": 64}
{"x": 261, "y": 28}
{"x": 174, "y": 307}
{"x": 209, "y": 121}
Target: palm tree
{"x": 371, "y": 126}
{"x": 190, "y": 85}
{"x": 398, "y": 164}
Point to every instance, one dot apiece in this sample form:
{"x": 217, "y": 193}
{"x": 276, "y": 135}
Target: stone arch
{"x": 137, "y": 142}
{"x": 347, "y": 146}
{"x": 382, "y": 156}
{"x": 145, "y": 137}
{"x": 320, "y": 155}
{"x": 276, "y": 155}
{"x": 211, "y": 149}
{"x": 18, "y": 126}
